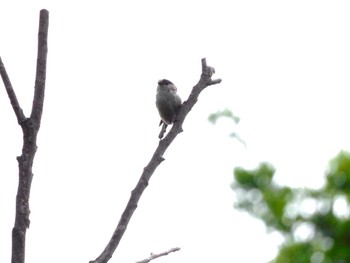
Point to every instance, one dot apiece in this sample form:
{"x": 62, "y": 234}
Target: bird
{"x": 168, "y": 103}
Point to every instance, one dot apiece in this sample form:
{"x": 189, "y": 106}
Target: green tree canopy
{"x": 324, "y": 220}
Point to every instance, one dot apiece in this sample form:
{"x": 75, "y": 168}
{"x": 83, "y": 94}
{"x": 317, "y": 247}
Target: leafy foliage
{"x": 224, "y": 113}
{"x": 327, "y": 226}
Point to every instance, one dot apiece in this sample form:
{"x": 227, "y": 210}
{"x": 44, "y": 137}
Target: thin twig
{"x": 157, "y": 158}
{"x": 154, "y": 256}
{"x": 30, "y": 127}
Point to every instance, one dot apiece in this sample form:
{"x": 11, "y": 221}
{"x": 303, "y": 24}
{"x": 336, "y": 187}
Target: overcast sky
{"x": 285, "y": 69}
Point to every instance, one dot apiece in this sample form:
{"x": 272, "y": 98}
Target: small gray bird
{"x": 168, "y": 103}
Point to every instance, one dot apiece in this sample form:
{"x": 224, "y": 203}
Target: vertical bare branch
{"x": 30, "y": 127}
{"x": 157, "y": 158}
{"x": 39, "y": 92}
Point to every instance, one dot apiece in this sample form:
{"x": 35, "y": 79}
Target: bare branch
{"x": 38, "y": 102}
{"x": 157, "y": 158}
{"x": 11, "y": 93}
{"x": 30, "y": 127}
{"x": 215, "y": 81}
{"x": 154, "y": 256}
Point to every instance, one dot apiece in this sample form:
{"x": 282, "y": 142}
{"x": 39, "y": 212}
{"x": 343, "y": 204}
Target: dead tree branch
{"x": 30, "y": 127}
{"x": 11, "y": 93}
{"x": 154, "y": 256}
{"x": 157, "y": 158}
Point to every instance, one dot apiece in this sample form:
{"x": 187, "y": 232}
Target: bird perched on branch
{"x": 168, "y": 103}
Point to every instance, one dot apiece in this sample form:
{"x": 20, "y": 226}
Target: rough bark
{"x": 30, "y": 127}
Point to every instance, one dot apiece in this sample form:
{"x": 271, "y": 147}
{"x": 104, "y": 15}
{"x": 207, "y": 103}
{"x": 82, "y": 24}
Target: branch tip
{"x": 215, "y": 81}
{"x": 204, "y": 63}
{"x": 44, "y": 11}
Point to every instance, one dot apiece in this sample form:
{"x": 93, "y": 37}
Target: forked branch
{"x": 30, "y": 127}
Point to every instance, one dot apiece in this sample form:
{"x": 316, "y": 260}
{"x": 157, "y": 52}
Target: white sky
{"x": 285, "y": 68}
